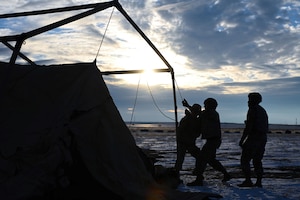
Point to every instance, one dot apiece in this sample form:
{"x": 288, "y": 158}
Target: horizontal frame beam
{"x": 132, "y": 71}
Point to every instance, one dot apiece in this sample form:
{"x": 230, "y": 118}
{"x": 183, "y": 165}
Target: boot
{"x": 226, "y": 177}
{"x": 197, "y": 182}
{"x": 247, "y": 182}
{"x": 258, "y": 182}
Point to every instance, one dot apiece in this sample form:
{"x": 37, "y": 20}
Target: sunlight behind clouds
{"x": 218, "y": 47}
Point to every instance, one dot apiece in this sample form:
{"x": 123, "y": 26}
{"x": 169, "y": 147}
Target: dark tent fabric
{"x": 40, "y": 107}
{"x": 45, "y": 113}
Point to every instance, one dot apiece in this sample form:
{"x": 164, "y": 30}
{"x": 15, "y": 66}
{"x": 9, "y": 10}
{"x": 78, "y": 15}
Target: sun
{"x": 148, "y": 73}
{"x": 154, "y": 77}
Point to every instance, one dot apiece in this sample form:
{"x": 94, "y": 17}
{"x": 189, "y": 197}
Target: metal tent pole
{"x": 95, "y": 8}
{"x": 119, "y": 7}
{"x": 20, "y": 38}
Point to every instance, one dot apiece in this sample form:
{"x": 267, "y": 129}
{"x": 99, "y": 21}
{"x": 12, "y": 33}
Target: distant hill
{"x": 271, "y": 126}
{"x": 225, "y": 125}
{"x": 163, "y": 127}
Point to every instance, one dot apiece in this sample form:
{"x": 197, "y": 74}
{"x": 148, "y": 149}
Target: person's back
{"x": 187, "y": 133}
{"x": 211, "y": 131}
{"x": 188, "y": 128}
{"x": 210, "y": 124}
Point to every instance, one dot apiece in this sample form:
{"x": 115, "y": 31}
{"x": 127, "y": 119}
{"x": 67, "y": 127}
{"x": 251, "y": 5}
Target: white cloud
{"x": 218, "y": 47}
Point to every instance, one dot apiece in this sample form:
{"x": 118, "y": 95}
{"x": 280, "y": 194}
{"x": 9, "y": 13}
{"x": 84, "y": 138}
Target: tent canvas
{"x": 42, "y": 108}
{"x": 46, "y": 111}
{"x": 94, "y": 8}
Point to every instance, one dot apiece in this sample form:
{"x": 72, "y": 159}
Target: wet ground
{"x": 281, "y": 163}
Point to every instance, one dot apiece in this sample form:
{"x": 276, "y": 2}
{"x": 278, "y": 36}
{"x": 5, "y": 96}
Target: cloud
{"x": 222, "y": 49}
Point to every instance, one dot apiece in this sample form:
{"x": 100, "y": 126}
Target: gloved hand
{"x": 185, "y": 103}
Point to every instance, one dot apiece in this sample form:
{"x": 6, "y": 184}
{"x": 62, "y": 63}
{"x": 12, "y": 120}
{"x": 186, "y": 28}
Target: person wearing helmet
{"x": 188, "y": 132}
{"x": 211, "y": 131}
{"x": 253, "y": 140}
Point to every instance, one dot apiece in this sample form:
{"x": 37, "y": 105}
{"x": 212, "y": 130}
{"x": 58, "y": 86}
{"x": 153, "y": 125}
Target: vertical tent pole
{"x": 119, "y": 7}
{"x": 96, "y": 8}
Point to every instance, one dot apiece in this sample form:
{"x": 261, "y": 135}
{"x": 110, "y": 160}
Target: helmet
{"x": 196, "y": 108}
{"x": 254, "y": 97}
{"x": 210, "y": 103}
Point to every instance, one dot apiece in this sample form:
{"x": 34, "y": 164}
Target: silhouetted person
{"x": 188, "y": 132}
{"x": 253, "y": 140}
{"x": 211, "y": 131}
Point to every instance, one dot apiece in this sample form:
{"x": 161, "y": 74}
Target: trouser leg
{"x": 181, "y": 150}
{"x": 214, "y": 163}
{"x": 257, "y": 163}
{"x": 196, "y": 153}
{"x": 217, "y": 166}
{"x": 211, "y": 151}
{"x": 207, "y": 154}
{"x": 258, "y": 168}
{"x": 245, "y": 164}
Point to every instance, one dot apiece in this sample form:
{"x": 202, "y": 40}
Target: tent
{"x": 42, "y": 109}
{"x": 61, "y": 134}
{"x": 50, "y": 112}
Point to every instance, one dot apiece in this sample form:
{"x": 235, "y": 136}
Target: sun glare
{"x": 148, "y": 73}
{"x": 153, "y": 77}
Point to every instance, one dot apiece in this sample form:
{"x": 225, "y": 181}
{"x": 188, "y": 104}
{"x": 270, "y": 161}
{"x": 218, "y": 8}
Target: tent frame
{"x": 93, "y": 8}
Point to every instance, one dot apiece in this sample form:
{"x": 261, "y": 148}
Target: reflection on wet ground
{"x": 281, "y": 161}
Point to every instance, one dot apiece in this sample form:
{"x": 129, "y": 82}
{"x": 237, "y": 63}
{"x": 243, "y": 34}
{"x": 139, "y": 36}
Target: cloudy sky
{"x": 218, "y": 48}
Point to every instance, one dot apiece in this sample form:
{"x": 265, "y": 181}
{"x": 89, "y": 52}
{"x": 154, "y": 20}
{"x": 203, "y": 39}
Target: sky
{"x": 222, "y": 49}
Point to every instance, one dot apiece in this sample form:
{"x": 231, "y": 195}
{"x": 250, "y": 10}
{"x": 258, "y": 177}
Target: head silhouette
{"x": 210, "y": 103}
{"x": 254, "y": 98}
{"x": 196, "y": 108}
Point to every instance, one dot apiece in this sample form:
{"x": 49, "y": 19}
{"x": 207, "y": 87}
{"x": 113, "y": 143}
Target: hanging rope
{"x": 157, "y": 105}
{"x": 136, "y": 95}
{"x": 151, "y": 94}
{"x": 135, "y": 101}
{"x": 105, "y": 32}
{"x": 178, "y": 90}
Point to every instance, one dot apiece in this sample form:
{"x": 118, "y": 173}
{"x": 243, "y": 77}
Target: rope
{"x": 151, "y": 94}
{"x": 105, "y": 32}
{"x": 136, "y": 95}
{"x": 178, "y": 90}
{"x": 157, "y": 105}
